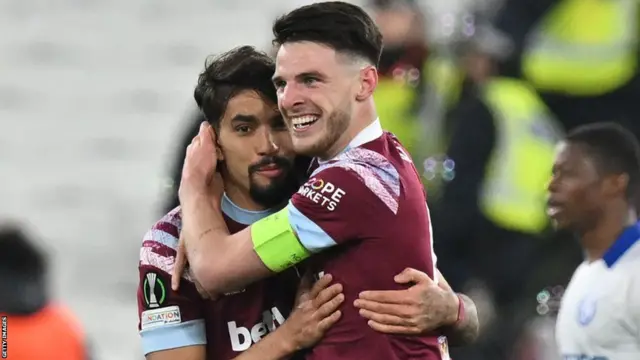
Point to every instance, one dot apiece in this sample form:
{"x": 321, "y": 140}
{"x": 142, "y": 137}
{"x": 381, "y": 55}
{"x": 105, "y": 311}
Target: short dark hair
{"x": 18, "y": 254}
{"x": 23, "y": 272}
{"x": 614, "y": 149}
{"x": 226, "y": 75}
{"x": 344, "y": 27}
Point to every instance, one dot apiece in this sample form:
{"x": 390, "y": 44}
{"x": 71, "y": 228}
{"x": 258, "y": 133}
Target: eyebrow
{"x": 244, "y": 118}
{"x": 300, "y": 76}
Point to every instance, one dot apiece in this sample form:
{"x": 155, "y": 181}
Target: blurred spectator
{"x": 37, "y": 328}
{"x": 491, "y": 216}
{"x": 581, "y": 55}
{"x": 400, "y": 85}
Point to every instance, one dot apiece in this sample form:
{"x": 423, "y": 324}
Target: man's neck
{"x": 363, "y": 118}
{"x": 597, "y": 241}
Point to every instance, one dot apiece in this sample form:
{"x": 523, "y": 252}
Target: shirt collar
{"x": 368, "y": 134}
{"x": 240, "y": 215}
{"x": 624, "y": 242}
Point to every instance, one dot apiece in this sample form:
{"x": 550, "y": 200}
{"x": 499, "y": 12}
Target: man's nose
{"x": 290, "y": 97}
{"x": 266, "y": 144}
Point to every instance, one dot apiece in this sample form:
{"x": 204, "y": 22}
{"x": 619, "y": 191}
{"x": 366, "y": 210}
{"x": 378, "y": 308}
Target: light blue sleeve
{"x": 173, "y": 336}
{"x": 310, "y": 235}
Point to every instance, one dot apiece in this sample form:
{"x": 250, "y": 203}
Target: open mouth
{"x": 301, "y": 123}
{"x": 554, "y": 208}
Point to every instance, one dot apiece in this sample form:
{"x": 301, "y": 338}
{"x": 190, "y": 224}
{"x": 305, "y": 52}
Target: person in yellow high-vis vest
{"x": 581, "y": 55}
{"x": 492, "y": 212}
{"x": 400, "y": 70}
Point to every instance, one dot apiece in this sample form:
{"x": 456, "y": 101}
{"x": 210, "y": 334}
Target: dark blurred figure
{"x": 37, "y": 328}
{"x": 581, "y": 55}
{"x": 489, "y": 223}
{"x": 400, "y": 88}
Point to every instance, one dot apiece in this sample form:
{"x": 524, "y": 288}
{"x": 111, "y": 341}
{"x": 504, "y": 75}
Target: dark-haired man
{"x": 596, "y": 175}
{"x": 362, "y": 212}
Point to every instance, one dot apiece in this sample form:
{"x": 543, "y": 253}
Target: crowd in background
{"x": 480, "y": 93}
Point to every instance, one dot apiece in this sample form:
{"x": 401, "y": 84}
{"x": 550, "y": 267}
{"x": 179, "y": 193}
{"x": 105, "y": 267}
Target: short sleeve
{"x": 167, "y": 319}
{"x": 336, "y": 205}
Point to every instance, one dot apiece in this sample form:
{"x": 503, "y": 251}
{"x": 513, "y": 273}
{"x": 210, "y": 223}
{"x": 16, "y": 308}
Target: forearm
{"x": 466, "y": 331}
{"x": 275, "y": 346}
{"x": 206, "y": 234}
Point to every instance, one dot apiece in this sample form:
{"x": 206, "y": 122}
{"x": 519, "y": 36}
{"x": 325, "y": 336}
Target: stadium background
{"x": 92, "y": 96}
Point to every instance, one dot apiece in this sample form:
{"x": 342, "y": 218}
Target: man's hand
{"x": 315, "y": 312}
{"x": 199, "y": 169}
{"x": 180, "y": 266}
{"x": 423, "y": 307}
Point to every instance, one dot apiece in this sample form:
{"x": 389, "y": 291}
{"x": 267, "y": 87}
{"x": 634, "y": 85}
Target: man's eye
{"x": 279, "y": 84}
{"x": 243, "y": 129}
{"x": 310, "y": 80}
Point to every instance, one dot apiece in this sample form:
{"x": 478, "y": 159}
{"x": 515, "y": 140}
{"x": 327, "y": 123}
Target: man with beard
{"x": 257, "y": 164}
{"x": 362, "y": 212}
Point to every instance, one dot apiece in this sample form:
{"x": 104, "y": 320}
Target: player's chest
{"x": 593, "y": 316}
{"x": 237, "y": 321}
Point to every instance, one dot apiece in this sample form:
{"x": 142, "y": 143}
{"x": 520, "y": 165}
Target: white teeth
{"x": 303, "y": 120}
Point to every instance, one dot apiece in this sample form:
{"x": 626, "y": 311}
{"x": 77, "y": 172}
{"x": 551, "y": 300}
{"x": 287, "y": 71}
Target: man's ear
{"x": 368, "y": 83}
{"x": 616, "y": 185}
{"x": 219, "y": 153}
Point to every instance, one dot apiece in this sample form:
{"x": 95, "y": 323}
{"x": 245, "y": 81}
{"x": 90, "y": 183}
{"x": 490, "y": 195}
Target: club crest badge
{"x": 587, "y": 310}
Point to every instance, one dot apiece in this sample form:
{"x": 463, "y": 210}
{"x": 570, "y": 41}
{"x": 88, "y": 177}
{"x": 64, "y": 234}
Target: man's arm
{"x": 171, "y": 324}
{"x": 424, "y": 307}
{"x": 466, "y": 329}
{"x": 198, "y": 352}
{"x": 221, "y": 262}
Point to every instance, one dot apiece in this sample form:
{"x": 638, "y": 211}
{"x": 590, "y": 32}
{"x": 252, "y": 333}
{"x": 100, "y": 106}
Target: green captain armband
{"x": 275, "y": 242}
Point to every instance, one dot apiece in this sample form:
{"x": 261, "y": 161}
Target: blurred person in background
{"x": 399, "y": 90}
{"x": 498, "y": 151}
{"x": 595, "y": 177}
{"x": 37, "y": 328}
{"x": 581, "y": 55}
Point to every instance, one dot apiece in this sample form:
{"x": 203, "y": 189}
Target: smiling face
{"x": 256, "y": 149}
{"x": 317, "y": 91}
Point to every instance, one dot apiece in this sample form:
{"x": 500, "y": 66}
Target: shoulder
{"x": 159, "y": 244}
{"x": 365, "y": 171}
{"x": 164, "y": 232}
